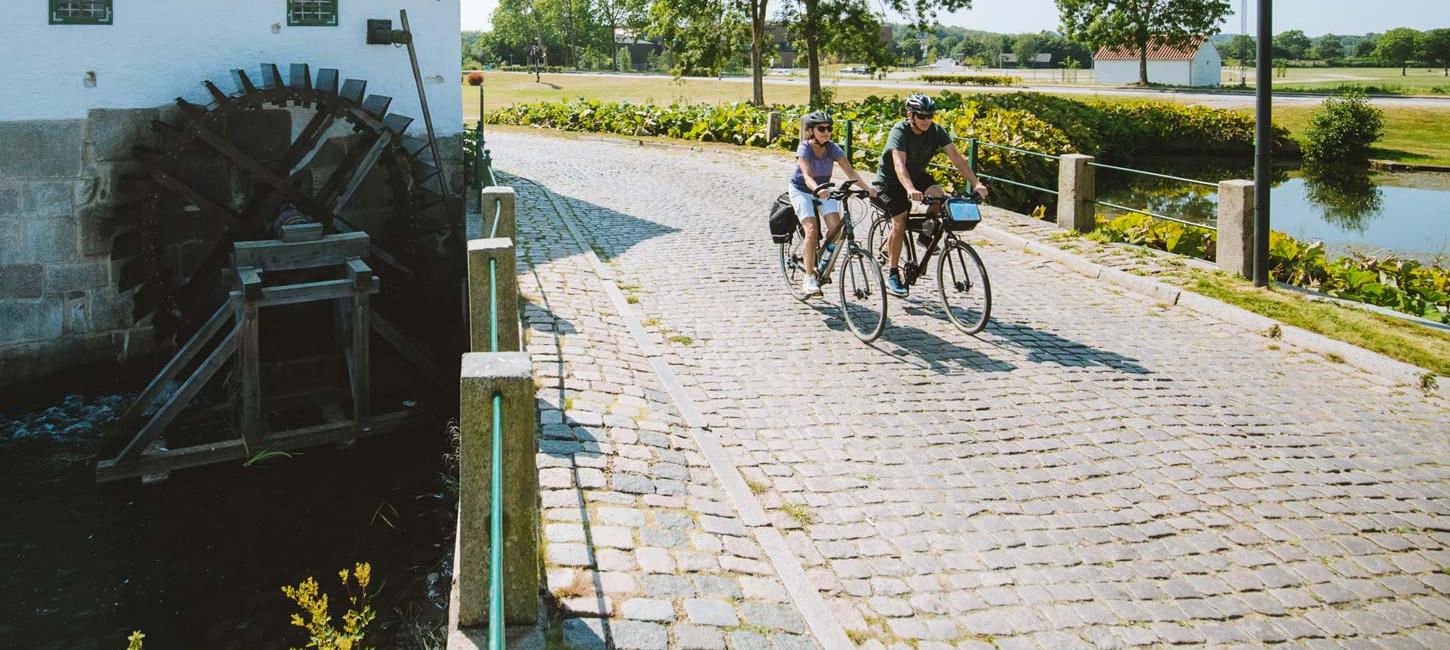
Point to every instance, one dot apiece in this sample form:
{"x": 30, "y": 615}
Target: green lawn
{"x": 1414, "y": 81}
{"x": 1412, "y": 134}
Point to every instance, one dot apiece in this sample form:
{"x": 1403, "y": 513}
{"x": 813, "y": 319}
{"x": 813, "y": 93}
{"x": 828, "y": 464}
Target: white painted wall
{"x": 1207, "y": 66}
{"x": 158, "y": 50}
{"x": 1205, "y": 69}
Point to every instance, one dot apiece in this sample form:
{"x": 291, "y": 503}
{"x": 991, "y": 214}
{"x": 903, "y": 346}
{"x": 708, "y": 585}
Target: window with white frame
{"x": 80, "y": 12}
{"x": 312, "y": 13}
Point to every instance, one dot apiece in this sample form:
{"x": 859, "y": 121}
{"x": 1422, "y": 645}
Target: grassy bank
{"x": 1415, "y": 344}
{"x": 1412, "y": 134}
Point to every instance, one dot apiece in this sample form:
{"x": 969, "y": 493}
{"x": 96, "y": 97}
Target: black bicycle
{"x": 859, "y": 283}
{"x": 961, "y": 279}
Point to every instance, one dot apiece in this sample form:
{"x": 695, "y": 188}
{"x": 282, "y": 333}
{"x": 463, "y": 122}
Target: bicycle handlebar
{"x": 839, "y": 193}
{"x": 969, "y": 196}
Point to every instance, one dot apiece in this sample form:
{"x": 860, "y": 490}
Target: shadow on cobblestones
{"x": 1045, "y": 347}
{"x": 610, "y": 232}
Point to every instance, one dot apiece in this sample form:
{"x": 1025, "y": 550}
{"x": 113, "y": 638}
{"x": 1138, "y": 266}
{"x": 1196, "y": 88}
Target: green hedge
{"x": 972, "y": 79}
{"x": 1403, "y": 285}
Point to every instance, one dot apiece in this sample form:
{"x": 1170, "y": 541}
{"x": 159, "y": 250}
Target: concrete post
{"x": 487, "y": 199}
{"x": 1076, "y": 192}
{"x": 505, "y": 295}
{"x": 483, "y": 376}
{"x": 772, "y": 126}
{"x": 1235, "y": 248}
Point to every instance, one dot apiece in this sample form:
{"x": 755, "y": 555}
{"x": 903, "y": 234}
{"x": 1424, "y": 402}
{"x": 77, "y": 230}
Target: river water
{"x": 1407, "y": 213}
{"x": 198, "y": 561}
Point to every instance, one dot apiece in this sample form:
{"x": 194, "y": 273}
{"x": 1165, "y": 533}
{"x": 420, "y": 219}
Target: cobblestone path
{"x": 1093, "y": 470}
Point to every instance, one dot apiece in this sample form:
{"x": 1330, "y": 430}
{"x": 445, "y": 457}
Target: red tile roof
{"x": 1157, "y": 51}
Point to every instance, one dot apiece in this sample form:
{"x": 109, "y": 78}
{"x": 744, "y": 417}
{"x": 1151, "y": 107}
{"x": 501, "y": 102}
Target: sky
{"x": 1313, "y": 17}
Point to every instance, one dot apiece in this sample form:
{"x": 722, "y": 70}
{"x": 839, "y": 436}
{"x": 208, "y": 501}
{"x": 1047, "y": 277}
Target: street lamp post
{"x": 1263, "y": 139}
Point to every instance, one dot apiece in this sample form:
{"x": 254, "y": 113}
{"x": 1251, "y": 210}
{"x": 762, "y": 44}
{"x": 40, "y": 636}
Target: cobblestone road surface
{"x": 1093, "y": 470}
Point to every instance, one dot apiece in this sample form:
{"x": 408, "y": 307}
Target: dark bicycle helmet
{"x": 817, "y": 118}
{"x": 920, "y": 103}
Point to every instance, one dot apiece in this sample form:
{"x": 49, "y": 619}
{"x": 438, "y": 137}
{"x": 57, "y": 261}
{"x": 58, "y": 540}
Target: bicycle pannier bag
{"x": 782, "y": 219}
{"x": 962, "y": 214}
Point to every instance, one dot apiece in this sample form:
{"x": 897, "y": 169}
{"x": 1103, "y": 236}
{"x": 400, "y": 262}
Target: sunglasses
{"x": 922, "y": 116}
{"x": 826, "y": 129}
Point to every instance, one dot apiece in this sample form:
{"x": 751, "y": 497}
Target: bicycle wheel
{"x": 863, "y": 294}
{"x": 792, "y": 263}
{"x": 961, "y": 280}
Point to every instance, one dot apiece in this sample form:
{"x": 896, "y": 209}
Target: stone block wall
{"x": 59, "y": 180}
{"x": 58, "y": 302}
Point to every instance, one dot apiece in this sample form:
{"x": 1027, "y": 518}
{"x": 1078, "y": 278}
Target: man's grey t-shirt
{"x": 919, "y": 148}
{"x": 820, "y": 165}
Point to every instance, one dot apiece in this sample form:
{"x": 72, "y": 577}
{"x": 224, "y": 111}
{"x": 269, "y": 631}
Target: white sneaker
{"x": 810, "y": 287}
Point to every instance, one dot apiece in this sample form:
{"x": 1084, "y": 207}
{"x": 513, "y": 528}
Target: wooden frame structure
{"x": 301, "y": 247}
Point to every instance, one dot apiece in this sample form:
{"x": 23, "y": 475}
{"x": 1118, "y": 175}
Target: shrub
{"x": 322, "y": 635}
{"x": 1403, "y": 285}
{"x": 1343, "y": 130}
{"x": 972, "y": 79}
{"x": 474, "y": 78}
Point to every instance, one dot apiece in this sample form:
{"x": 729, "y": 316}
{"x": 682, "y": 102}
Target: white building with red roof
{"x": 1194, "y": 64}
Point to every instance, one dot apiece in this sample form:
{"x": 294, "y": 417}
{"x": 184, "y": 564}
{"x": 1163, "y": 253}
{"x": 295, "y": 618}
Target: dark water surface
{"x": 198, "y": 560}
{"x": 1403, "y": 212}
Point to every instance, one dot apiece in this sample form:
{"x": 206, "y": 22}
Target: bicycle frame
{"x": 844, "y": 231}
{"x": 911, "y": 275}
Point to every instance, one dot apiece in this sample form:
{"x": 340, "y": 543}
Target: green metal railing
{"x": 1145, "y": 211}
{"x": 974, "y": 144}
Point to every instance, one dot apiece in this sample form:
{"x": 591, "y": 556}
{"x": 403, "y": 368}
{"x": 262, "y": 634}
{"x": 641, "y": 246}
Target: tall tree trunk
{"x": 812, "y": 62}
{"x": 757, "y": 51}
{"x": 1143, "y": 58}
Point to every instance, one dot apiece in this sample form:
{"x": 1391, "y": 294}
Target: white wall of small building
{"x": 158, "y": 50}
{"x": 1207, "y": 66}
{"x": 1126, "y": 72}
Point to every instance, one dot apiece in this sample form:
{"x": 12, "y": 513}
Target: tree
{"x": 1292, "y": 44}
{"x": 1242, "y": 47}
{"x": 1436, "y": 46}
{"x": 1397, "y": 47}
{"x": 1328, "y": 47}
{"x": 702, "y": 36}
{"x": 1366, "y": 47}
{"x": 1136, "y": 23}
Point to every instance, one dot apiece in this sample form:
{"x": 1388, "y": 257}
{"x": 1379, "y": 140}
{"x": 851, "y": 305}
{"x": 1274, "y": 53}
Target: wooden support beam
{"x": 411, "y": 352}
{"x": 231, "y": 450}
{"x": 183, "y": 357}
{"x": 292, "y": 294}
{"x": 299, "y": 232}
{"x": 182, "y": 396}
{"x": 349, "y": 184}
{"x": 273, "y": 255}
{"x": 358, "y": 353}
{"x": 196, "y": 198}
{"x": 254, "y": 425}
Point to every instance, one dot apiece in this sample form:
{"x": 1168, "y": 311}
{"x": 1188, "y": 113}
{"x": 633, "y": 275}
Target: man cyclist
{"x": 814, "y": 161}
{"x": 909, "y": 148}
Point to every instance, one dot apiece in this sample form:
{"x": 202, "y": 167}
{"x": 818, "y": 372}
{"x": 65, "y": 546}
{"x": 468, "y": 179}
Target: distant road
{"x": 1222, "y": 99}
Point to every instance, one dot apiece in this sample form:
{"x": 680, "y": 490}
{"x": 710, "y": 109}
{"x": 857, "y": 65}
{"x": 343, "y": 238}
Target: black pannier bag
{"x": 782, "y": 219}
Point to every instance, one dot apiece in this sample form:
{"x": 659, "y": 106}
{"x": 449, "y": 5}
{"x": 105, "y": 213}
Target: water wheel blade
{"x": 327, "y": 80}
{"x": 299, "y": 76}
{"x": 414, "y": 146}
{"x": 192, "y": 112}
{"x": 397, "y": 123}
{"x": 243, "y": 82}
{"x": 423, "y": 170}
{"x": 377, "y": 104}
{"x": 271, "y": 76}
{"x": 354, "y": 89}
{"x": 216, "y": 93}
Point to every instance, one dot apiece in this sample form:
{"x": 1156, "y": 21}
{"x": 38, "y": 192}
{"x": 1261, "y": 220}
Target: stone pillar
{"x": 1235, "y": 248}
{"x": 772, "y": 126}
{"x": 491, "y": 196}
{"x": 1076, "y": 192}
{"x": 484, "y": 375}
{"x": 505, "y": 289}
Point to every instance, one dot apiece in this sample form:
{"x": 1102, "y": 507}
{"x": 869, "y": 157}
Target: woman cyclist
{"x": 814, "y": 159}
